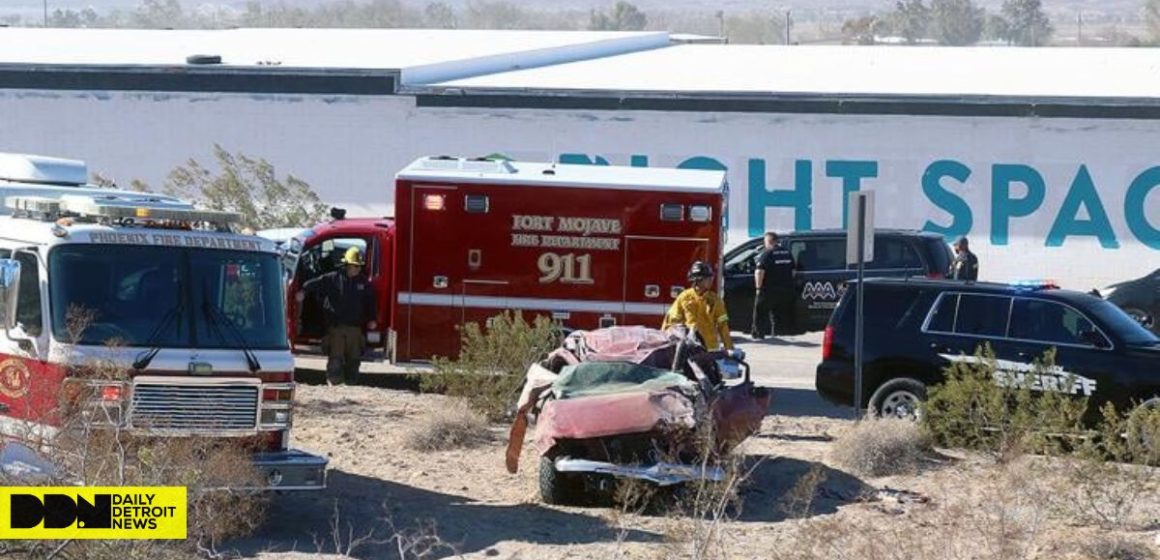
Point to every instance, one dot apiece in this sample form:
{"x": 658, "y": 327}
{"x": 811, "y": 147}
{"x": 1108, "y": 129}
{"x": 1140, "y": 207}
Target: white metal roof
{"x": 419, "y": 55}
{"x": 564, "y": 175}
{"x": 873, "y": 70}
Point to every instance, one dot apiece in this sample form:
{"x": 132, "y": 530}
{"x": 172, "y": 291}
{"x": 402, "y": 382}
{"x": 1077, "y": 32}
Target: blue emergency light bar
{"x": 1035, "y": 285}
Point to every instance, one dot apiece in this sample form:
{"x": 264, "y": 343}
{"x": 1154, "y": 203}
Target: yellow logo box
{"x": 94, "y": 512}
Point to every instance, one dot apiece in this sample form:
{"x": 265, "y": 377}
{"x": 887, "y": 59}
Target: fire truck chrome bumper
{"x": 291, "y": 470}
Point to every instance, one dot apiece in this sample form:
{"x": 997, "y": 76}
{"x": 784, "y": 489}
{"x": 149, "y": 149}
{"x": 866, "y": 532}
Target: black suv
{"x": 1140, "y": 298}
{"x": 823, "y": 273}
{"x": 914, "y": 328}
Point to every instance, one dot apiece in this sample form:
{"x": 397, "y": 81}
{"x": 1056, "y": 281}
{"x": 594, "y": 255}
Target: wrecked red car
{"x": 634, "y": 403}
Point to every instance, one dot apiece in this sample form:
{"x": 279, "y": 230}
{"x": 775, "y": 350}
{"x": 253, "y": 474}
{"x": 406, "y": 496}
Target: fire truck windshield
{"x": 122, "y": 294}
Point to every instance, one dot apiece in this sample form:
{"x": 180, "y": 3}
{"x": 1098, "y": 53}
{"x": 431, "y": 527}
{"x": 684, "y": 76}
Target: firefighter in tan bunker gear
{"x": 701, "y": 309}
{"x": 348, "y": 302}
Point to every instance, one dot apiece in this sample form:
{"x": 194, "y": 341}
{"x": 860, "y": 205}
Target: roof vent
{"x": 203, "y": 59}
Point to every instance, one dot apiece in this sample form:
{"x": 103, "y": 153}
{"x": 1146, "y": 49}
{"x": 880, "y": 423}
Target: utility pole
{"x": 46, "y": 13}
{"x": 788, "y": 15}
{"x": 1079, "y": 27}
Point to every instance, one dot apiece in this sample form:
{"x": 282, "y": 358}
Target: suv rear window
{"x": 971, "y": 314}
{"x": 885, "y": 308}
{"x": 894, "y": 253}
{"x": 819, "y": 254}
{"x": 983, "y": 315}
{"x": 938, "y": 255}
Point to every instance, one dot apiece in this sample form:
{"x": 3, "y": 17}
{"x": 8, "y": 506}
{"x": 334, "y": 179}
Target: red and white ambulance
{"x": 590, "y": 246}
{"x": 191, "y": 311}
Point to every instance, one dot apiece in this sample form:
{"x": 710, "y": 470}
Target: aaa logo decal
{"x": 14, "y": 377}
{"x": 823, "y": 291}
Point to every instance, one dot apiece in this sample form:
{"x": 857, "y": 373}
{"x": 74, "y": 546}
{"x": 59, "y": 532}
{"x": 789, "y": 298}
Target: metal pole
{"x": 787, "y": 24}
{"x": 858, "y": 310}
{"x": 46, "y": 13}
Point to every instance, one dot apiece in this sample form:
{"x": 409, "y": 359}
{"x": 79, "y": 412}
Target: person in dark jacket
{"x": 966, "y": 264}
{"x": 348, "y": 303}
{"x": 774, "y": 280}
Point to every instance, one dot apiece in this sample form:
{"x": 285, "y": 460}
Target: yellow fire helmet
{"x": 352, "y": 256}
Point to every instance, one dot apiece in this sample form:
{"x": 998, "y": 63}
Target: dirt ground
{"x": 795, "y": 503}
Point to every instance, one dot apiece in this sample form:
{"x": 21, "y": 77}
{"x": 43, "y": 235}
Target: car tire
{"x": 898, "y": 398}
{"x": 557, "y": 488}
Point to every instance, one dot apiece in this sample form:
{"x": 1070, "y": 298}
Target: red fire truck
{"x": 196, "y": 307}
{"x": 590, "y": 246}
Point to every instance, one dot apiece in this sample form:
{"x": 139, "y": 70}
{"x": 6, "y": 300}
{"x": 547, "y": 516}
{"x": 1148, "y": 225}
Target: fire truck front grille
{"x": 198, "y": 408}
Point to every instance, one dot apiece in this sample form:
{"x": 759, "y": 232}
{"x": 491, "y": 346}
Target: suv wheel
{"x": 898, "y": 398}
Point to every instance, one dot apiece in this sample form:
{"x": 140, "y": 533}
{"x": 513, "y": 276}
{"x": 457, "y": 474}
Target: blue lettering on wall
{"x": 1003, "y": 207}
{"x": 1148, "y": 233}
{"x": 1082, "y": 214}
{"x": 851, "y": 173}
{"x": 800, "y": 197}
{"x": 702, "y": 162}
{"x": 1082, "y": 194}
{"x": 961, "y": 217}
{"x": 581, "y": 159}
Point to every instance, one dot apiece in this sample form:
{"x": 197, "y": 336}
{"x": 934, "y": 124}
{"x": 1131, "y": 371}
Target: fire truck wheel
{"x": 558, "y": 488}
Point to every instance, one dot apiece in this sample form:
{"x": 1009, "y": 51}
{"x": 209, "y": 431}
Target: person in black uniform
{"x": 348, "y": 301}
{"x": 775, "y": 289}
{"x": 966, "y": 264}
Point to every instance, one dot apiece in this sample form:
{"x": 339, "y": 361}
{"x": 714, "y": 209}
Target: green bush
{"x": 489, "y": 372}
{"x": 981, "y": 407}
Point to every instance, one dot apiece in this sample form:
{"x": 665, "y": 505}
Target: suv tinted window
{"x": 982, "y": 315}
{"x": 1048, "y": 321}
{"x": 890, "y": 253}
{"x": 744, "y": 260}
{"x": 943, "y": 317}
{"x": 819, "y": 254}
{"x": 885, "y": 308}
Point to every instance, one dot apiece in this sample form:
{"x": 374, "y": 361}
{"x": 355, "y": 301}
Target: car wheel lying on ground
{"x": 630, "y": 403}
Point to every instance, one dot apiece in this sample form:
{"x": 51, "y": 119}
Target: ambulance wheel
{"x": 898, "y": 398}
{"x": 557, "y": 488}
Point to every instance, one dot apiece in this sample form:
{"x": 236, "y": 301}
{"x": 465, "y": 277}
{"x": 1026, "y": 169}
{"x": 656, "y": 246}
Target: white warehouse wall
{"x": 348, "y": 147}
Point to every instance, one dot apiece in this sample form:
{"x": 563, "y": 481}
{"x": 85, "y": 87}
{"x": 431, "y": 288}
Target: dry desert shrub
{"x": 489, "y": 372}
{"x": 449, "y": 428}
{"x": 882, "y": 447}
{"x": 1116, "y": 547}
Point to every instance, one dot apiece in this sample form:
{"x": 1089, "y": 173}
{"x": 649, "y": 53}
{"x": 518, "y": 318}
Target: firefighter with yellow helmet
{"x": 701, "y": 309}
{"x": 348, "y": 303}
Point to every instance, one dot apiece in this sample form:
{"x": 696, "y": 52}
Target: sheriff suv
{"x": 914, "y": 328}
{"x": 822, "y": 271}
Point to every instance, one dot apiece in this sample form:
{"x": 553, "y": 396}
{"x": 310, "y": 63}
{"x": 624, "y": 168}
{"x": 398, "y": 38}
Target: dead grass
{"x": 884, "y": 447}
{"x": 1115, "y": 547}
{"x": 455, "y": 428}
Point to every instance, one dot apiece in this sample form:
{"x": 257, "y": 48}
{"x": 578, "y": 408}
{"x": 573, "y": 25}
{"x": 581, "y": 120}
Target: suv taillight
{"x": 936, "y": 275}
{"x": 827, "y": 342}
